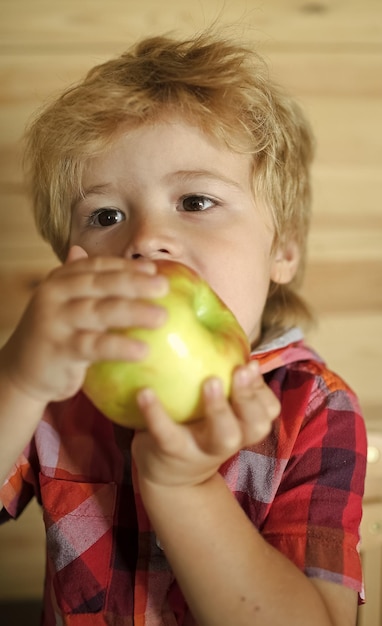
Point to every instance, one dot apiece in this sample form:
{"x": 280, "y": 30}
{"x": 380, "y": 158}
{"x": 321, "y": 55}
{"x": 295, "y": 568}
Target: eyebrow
{"x": 190, "y": 175}
{"x": 102, "y": 188}
{"x": 184, "y": 175}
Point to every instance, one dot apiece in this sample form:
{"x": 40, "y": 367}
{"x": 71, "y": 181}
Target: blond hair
{"x": 224, "y": 88}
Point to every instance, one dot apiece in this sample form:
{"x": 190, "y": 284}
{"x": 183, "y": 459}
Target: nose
{"x": 152, "y": 238}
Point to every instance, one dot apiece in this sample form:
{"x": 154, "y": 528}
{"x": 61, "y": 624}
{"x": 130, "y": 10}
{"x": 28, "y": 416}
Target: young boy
{"x": 183, "y": 150}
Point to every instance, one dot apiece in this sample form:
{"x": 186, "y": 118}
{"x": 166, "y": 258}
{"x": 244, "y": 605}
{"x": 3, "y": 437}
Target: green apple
{"x": 201, "y": 338}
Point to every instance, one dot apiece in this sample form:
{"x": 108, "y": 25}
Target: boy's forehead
{"x": 172, "y": 150}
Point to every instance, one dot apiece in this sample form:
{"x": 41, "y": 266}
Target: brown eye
{"x": 197, "y": 203}
{"x": 107, "y": 217}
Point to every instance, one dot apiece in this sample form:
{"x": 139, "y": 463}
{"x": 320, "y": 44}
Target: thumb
{"x": 75, "y": 253}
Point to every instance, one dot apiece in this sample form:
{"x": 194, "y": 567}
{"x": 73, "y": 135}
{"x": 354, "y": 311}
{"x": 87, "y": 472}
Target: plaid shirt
{"x": 301, "y": 487}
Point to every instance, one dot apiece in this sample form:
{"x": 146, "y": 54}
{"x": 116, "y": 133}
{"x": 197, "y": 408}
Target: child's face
{"x": 169, "y": 191}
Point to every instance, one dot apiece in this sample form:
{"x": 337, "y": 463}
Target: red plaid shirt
{"x": 302, "y": 488}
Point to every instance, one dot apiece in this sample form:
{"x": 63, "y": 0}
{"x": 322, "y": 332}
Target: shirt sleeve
{"x": 20, "y": 486}
{"x": 316, "y": 513}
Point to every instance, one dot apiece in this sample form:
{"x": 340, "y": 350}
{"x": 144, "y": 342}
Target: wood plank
{"x": 373, "y": 413}
{"x": 22, "y": 549}
{"x": 372, "y": 526}
{"x": 32, "y": 78}
{"x": 351, "y": 345}
{"x": 347, "y": 131}
{"x": 348, "y": 194}
{"x": 370, "y": 614}
{"x": 336, "y": 288}
{"x": 20, "y": 244}
{"x": 348, "y": 75}
{"x": 344, "y": 243}
{"x": 16, "y": 288}
{"x": 94, "y": 23}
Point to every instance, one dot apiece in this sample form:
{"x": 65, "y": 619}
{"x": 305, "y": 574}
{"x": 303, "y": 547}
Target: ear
{"x": 285, "y": 263}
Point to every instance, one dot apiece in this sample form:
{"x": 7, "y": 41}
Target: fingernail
{"x": 161, "y": 315}
{"x": 254, "y": 367}
{"x": 242, "y": 376}
{"x": 146, "y": 267}
{"x": 159, "y": 285}
{"x": 145, "y": 397}
{"x": 137, "y": 350}
{"x": 213, "y": 387}
{"x": 247, "y": 373}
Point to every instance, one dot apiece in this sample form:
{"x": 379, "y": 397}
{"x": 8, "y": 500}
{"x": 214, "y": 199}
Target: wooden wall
{"x": 328, "y": 53}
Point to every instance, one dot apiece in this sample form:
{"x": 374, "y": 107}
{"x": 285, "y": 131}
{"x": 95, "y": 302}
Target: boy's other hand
{"x": 65, "y": 326}
{"x": 173, "y": 455}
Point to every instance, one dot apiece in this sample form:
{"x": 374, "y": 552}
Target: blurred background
{"x": 328, "y": 54}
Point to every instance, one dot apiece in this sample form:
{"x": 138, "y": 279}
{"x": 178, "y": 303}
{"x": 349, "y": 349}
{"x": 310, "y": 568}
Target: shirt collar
{"x": 286, "y": 348}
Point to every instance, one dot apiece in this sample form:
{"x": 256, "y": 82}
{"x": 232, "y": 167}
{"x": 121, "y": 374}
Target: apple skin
{"x": 201, "y": 338}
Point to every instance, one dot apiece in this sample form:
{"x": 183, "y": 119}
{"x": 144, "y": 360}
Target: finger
{"x": 253, "y": 401}
{"x": 110, "y": 281}
{"x": 106, "y": 313}
{"x": 75, "y": 253}
{"x": 84, "y": 263}
{"x": 167, "y": 434}
{"x": 220, "y": 432}
{"x": 90, "y": 347}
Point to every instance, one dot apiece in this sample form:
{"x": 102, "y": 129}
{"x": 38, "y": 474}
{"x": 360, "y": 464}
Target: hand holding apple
{"x": 200, "y": 339}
